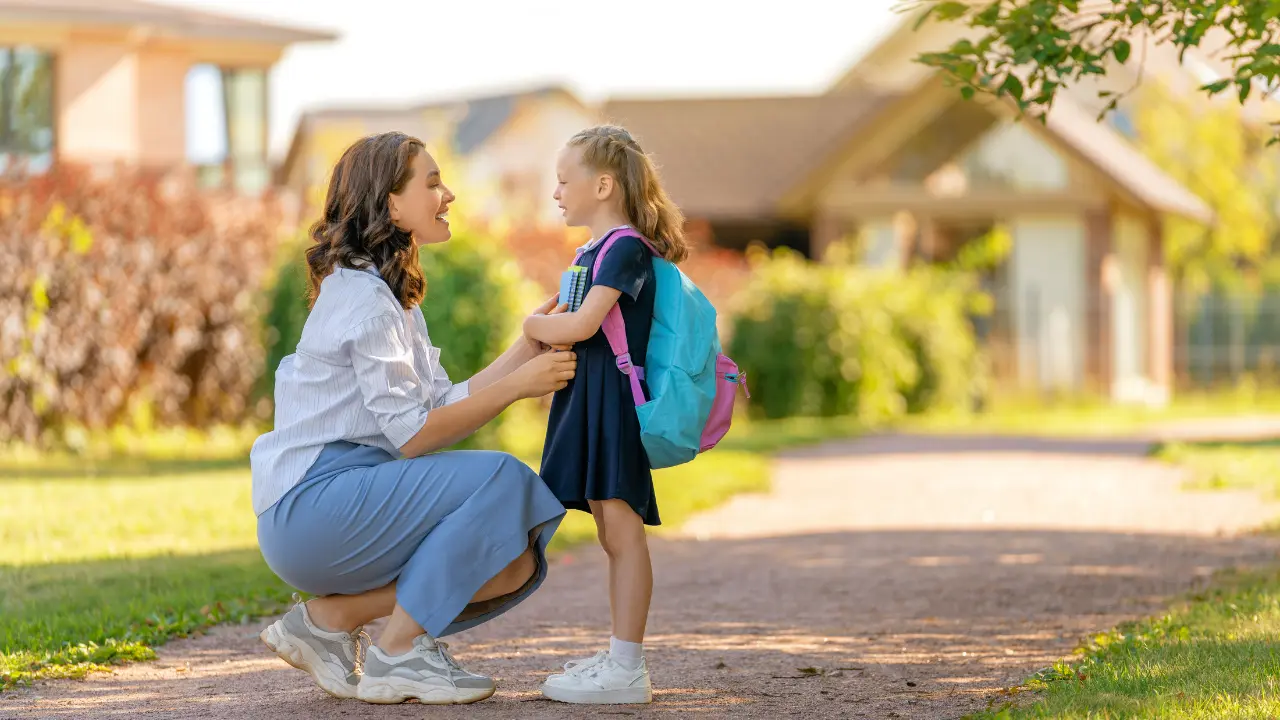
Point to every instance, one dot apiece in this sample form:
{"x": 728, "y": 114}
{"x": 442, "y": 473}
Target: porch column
{"x": 1099, "y": 273}
{"x": 1160, "y": 290}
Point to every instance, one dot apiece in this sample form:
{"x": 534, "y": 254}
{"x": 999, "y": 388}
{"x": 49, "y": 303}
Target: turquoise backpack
{"x": 692, "y": 384}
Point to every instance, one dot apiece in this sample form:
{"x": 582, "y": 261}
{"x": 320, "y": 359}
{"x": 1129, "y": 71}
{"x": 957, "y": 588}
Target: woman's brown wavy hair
{"x": 356, "y": 228}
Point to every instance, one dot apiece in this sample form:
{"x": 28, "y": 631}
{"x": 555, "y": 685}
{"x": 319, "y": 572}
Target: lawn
{"x": 1229, "y": 465}
{"x": 1216, "y": 654}
{"x": 1091, "y": 416}
{"x": 106, "y": 558}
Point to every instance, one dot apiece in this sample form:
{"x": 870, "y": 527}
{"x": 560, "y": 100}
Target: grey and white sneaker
{"x": 603, "y": 683}
{"x": 332, "y": 658}
{"x": 427, "y": 672}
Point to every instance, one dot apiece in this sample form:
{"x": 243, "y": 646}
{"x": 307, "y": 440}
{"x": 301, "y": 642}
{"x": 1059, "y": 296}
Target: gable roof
{"x": 1134, "y": 172}
{"x": 165, "y": 19}
{"x": 734, "y": 157}
{"x": 478, "y": 118}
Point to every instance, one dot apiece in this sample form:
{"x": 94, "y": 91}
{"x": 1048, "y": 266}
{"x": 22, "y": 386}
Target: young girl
{"x": 594, "y": 460}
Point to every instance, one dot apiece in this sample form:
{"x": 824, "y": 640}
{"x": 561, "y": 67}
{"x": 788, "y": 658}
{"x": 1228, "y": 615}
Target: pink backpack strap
{"x": 615, "y": 329}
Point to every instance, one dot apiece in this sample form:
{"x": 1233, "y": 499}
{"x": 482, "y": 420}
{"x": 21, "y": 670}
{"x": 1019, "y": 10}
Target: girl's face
{"x": 579, "y": 190}
{"x": 422, "y": 205}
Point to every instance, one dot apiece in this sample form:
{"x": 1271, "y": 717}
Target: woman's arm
{"x": 521, "y": 351}
{"x": 574, "y": 327}
{"x": 392, "y": 390}
{"x": 449, "y": 424}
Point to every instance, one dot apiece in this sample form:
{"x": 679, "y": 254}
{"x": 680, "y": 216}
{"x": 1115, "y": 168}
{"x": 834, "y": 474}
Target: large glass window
{"x": 26, "y": 110}
{"x": 227, "y": 126}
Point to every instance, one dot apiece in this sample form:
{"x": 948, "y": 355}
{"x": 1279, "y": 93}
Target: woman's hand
{"x": 544, "y": 374}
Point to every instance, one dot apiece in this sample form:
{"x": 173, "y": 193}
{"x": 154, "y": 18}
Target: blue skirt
{"x": 440, "y": 525}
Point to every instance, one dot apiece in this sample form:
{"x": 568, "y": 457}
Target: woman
{"x": 440, "y": 543}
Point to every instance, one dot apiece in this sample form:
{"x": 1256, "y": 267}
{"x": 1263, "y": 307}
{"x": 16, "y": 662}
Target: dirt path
{"x": 919, "y": 575}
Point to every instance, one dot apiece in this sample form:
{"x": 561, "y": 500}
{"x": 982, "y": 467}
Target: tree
{"x": 1028, "y": 50}
{"x": 1216, "y": 155}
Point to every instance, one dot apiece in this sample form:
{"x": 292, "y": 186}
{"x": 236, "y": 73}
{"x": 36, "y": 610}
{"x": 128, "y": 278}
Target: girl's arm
{"x": 574, "y": 327}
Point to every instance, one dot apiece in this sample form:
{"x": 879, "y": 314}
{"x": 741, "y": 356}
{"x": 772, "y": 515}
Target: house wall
{"x": 96, "y": 103}
{"x": 518, "y": 162}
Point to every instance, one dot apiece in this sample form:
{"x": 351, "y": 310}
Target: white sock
{"x": 626, "y": 654}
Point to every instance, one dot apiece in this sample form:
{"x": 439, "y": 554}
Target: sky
{"x": 412, "y": 51}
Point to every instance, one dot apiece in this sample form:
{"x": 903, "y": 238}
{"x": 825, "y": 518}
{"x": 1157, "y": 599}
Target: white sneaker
{"x": 574, "y": 667}
{"x": 603, "y": 683}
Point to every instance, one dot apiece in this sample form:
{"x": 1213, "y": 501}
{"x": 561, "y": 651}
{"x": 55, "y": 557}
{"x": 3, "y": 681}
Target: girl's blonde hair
{"x": 611, "y": 149}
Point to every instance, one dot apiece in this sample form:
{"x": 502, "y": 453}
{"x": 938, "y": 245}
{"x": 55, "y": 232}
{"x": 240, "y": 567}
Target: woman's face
{"x": 422, "y": 205}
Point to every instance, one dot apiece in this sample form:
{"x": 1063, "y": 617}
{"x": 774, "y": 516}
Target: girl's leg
{"x": 597, "y": 512}
{"x": 620, "y": 676}
{"x": 630, "y": 570}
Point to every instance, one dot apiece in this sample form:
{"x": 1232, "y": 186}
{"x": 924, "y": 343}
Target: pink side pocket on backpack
{"x": 727, "y": 380}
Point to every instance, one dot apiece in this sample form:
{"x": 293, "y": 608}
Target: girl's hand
{"x": 543, "y": 375}
{"x": 550, "y": 307}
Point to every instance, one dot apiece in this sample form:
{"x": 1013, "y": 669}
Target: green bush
{"x": 475, "y": 300}
{"x": 837, "y": 339}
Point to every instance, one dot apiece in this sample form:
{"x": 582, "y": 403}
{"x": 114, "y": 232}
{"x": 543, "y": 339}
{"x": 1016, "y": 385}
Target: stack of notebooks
{"x": 573, "y": 287}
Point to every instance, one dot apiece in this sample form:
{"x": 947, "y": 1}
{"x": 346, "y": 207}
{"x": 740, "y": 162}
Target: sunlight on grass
{"x": 1215, "y": 655}
{"x": 1092, "y": 416}
{"x": 1228, "y": 465}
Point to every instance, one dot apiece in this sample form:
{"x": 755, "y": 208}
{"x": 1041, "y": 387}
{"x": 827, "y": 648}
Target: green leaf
{"x": 951, "y": 10}
{"x": 1270, "y": 49}
{"x": 1013, "y": 86}
{"x": 1121, "y": 50}
{"x": 1246, "y": 86}
{"x": 967, "y": 92}
{"x": 1214, "y": 88}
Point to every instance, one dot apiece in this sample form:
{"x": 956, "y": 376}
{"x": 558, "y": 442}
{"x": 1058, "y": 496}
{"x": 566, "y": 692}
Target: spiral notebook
{"x": 573, "y": 286}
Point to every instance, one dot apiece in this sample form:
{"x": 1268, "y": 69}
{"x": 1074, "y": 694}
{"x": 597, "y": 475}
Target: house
{"x": 101, "y": 82}
{"x": 507, "y": 143}
{"x": 891, "y": 155}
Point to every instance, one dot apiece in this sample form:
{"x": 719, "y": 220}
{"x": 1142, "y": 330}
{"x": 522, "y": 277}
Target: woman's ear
{"x": 393, "y": 209}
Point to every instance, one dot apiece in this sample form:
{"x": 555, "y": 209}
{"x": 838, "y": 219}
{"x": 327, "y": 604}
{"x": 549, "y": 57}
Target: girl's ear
{"x": 604, "y": 186}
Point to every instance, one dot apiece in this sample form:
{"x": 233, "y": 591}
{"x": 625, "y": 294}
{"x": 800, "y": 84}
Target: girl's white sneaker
{"x": 604, "y": 682}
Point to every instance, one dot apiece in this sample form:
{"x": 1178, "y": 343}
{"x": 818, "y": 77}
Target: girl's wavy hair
{"x": 356, "y": 229}
{"x": 611, "y": 149}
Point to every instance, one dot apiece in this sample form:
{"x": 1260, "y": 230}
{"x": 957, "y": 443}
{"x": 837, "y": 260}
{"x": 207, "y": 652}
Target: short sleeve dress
{"x": 593, "y": 449}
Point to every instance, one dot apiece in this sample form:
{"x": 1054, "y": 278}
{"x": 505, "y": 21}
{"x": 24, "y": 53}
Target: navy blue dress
{"x": 593, "y": 449}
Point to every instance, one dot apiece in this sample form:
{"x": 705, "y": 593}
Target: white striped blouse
{"x": 365, "y": 371}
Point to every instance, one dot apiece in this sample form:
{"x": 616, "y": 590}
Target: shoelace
{"x": 577, "y": 667}
{"x": 362, "y": 642}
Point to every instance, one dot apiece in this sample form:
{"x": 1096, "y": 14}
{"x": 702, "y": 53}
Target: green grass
{"x": 1228, "y": 465}
{"x": 100, "y": 569}
{"x": 104, "y": 560}
{"x": 1091, "y": 416}
{"x": 1215, "y": 655}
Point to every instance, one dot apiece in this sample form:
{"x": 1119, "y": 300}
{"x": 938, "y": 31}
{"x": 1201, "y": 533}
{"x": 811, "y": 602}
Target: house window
{"x": 227, "y": 126}
{"x": 1012, "y": 157}
{"x": 26, "y": 110}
